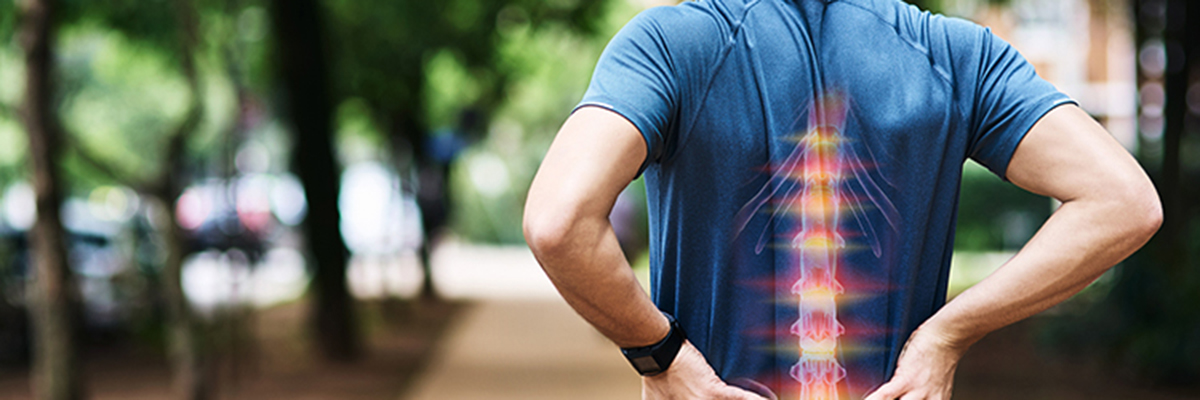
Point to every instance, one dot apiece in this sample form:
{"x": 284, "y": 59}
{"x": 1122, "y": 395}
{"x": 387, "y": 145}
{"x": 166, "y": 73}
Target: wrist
{"x": 660, "y": 328}
{"x": 949, "y": 335}
{"x": 655, "y": 358}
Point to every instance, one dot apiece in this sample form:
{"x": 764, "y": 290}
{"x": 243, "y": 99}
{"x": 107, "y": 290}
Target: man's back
{"x": 803, "y": 166}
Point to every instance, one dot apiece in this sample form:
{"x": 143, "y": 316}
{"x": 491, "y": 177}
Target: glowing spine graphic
{"x": 817, "y": 247}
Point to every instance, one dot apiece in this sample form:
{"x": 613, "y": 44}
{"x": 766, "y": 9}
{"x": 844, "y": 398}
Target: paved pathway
{"x": 520, "y": 341}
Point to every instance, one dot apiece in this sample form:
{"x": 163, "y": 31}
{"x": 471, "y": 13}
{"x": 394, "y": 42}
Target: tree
{"x": 190, "y": 379}
{"x": 191, "y": 375}
{"x": 301, "y": 65}
{"x": 1147, "y": 321}
{"x": 383, "y": 49}
{"x": 1157, "y": 295}
{"x": 55, "y": 296}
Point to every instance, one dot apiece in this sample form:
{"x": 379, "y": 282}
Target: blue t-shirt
{"x": 803, "y": 169}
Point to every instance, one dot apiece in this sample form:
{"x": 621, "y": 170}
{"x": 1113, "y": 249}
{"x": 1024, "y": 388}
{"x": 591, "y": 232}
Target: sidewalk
{"x": 520, "y": 341}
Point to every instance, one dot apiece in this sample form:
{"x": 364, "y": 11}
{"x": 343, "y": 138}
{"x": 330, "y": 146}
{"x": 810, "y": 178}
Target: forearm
{"x": 589, "y": 269}
{"x": 1076, "y": 245}
{"x": 595, "y": 156}
{"x": 1110, "y": 209}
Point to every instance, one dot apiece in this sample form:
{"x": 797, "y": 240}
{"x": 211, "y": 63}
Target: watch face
{"x": 646, "y": 365}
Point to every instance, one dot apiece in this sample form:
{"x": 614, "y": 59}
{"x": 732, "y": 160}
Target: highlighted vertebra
{"x": 817, "y": 248}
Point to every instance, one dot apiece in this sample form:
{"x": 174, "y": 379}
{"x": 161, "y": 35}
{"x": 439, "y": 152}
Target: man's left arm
{"x": 1109, "y": 210}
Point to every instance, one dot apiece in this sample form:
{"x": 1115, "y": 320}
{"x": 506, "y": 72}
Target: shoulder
{"x": 913, "y": 24}
{"x": 956, "y": 47}
{"x": 688, "y": 13}
{"x": 679, "y": 40}
{"x": 684, "y": 26}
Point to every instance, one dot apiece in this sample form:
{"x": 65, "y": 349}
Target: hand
{"x": 925, "y": 369}
{"x": 690, "y": 377}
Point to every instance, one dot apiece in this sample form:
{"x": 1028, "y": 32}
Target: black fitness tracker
{"x": 656, "y": 358}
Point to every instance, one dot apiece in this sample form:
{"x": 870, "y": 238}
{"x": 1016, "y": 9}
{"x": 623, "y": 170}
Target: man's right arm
{"x": 594, "y": 157}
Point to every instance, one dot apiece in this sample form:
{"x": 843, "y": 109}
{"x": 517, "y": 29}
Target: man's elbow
{"x": 546, "y": 234}
{"x": 1153, "y": 216}
{"x": 1143, "y": 210}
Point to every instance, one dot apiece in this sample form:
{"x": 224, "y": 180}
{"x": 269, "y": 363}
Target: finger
{"x": 736, "y": 393}
{"x": 889, "y": 391}
{"x": 753, "y": 386}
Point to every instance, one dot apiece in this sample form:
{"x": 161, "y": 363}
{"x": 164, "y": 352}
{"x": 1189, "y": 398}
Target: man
{"x": 802, "y": 161}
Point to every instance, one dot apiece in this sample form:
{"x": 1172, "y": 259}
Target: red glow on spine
{"x": 817, "y": 247}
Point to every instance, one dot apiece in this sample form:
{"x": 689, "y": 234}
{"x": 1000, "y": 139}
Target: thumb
{"x": 888, "y": 391}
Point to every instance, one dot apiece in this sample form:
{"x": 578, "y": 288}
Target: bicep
{"x": 595, "y": 155}
{"x": 1068, "y": 156}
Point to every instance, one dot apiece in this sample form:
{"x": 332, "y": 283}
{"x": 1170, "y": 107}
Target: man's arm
{"x": 595, "y": 156}
{"x": 1109, "y": 209}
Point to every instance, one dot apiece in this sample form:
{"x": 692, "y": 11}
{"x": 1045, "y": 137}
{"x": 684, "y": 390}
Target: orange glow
{"x": 817, "y": 249}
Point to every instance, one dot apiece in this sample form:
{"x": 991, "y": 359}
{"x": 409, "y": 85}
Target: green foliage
{"x": 517, "y": 64}
{"x": 1146, "y": 324}
{"x": 121, "y": 97}
{"x": 950, "y": 6}
{"x": 485, "y": 208}
{"x": 12, "y": 136}
{"x": 358, "y": 137}
{"x": 449, "y": 86}
{"x": 383, "y": 50}
{"x": 8, "y": 21}
{"x": 995, "y": 215}
{"x": 928, "y": 5}
{"x": 552, "y": 69}
{"x": 121, "y": 85}
{"x": 240, "y": 36}
{"x": 150, "y": 21}
{"x": 12, "y": 144}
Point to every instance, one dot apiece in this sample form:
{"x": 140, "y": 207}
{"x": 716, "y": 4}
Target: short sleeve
{"x": 1009, "y": 99}
{"x": 636, "y": 79}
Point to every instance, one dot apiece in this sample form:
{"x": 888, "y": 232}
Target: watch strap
{"x": 656, "y": 358}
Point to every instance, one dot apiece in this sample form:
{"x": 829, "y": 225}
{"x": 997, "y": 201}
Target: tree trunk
{"x": 430, "y": 186}
{"x": 301, "y": 63}
{"x": 1176, "y": 38}
{"x": 191, "y": 377}
{"x": 56, "y": 372}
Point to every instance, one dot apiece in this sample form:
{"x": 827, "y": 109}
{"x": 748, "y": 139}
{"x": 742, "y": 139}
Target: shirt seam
{"x": 682, "y": 138}
{"x": 945, "y": 76}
